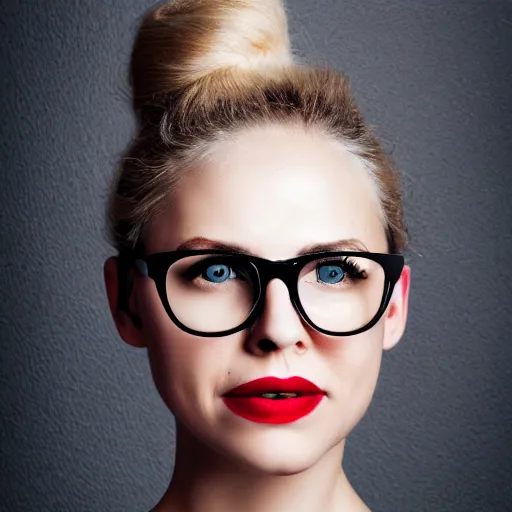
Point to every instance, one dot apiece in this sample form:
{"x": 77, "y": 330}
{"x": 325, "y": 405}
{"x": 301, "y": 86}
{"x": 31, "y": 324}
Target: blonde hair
{"x": 204, "y": 69}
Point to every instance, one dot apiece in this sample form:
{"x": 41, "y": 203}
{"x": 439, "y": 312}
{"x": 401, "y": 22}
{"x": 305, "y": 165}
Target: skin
{"x": 302, "y": 188}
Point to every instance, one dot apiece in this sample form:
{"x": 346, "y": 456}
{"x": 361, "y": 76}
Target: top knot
{"x": 181, "y": 42}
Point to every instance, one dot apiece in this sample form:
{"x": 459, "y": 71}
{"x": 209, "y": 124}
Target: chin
{"x": 278, "y": 453}
{"x": 262, "y": 449}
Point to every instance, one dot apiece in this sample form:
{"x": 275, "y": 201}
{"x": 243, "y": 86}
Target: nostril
{"x": 267, "y": 345}
{"x": 301, "y": 347}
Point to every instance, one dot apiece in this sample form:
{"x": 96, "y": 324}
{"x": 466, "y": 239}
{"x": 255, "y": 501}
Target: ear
{"x": 127, "y": 329}
{"x": 396, "y": 314}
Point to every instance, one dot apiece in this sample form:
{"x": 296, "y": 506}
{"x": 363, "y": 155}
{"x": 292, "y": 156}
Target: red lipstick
{"x": 273, "y": 400}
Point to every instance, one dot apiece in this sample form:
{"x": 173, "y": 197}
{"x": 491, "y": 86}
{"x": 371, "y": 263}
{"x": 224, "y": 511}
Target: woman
{"x": 260, "y": 229}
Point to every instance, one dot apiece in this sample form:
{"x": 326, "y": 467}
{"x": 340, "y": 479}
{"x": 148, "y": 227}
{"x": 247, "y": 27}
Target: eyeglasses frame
{"x": 156, "y": 266}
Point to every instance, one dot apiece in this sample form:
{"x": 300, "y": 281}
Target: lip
{"x": 246, "y": 400}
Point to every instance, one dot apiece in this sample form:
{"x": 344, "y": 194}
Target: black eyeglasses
{"x": 215, "y": 293}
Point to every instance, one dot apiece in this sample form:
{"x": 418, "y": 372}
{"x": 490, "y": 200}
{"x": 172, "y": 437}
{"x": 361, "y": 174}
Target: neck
{"x": 205, "y": 481}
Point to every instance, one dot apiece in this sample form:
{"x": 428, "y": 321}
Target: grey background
{"x": 82, "y": 427}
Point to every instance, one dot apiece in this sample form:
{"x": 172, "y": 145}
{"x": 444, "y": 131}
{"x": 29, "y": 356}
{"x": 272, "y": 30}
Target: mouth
{"x": 273, "y": 400}
{"x": 274, "y": 388}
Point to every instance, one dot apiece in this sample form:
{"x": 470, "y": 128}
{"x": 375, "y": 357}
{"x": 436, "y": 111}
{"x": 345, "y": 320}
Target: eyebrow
{"x": 197, "y": 243}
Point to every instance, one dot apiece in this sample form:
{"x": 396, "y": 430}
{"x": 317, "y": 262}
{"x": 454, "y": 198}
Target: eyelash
{"x": 353, "y": 270}
{"x": 350, "y": 267}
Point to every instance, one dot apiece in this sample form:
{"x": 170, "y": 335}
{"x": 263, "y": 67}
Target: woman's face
{"x": 273, "y": 191}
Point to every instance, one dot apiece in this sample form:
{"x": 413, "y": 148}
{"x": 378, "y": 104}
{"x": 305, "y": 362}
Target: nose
{"x": 279, "y": 325}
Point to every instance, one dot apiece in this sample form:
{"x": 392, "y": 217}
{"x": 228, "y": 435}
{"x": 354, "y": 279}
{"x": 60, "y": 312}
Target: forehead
{"x": 273, "y": 190}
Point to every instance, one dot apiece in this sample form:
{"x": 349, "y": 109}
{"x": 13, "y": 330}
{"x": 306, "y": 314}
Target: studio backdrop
{"x": 82, "y": 427}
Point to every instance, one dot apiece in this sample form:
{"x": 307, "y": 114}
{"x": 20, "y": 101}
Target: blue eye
{"x": 330, "y": 274}
{"x": 218, "y": 273}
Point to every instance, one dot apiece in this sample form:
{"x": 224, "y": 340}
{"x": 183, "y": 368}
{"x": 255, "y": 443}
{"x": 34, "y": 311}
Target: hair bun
{"x": 183, "y": 41}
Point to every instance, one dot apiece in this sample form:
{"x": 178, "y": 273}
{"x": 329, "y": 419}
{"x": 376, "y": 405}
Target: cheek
{"x": 354, "y": 364}
{"x": 181, "y": 364}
